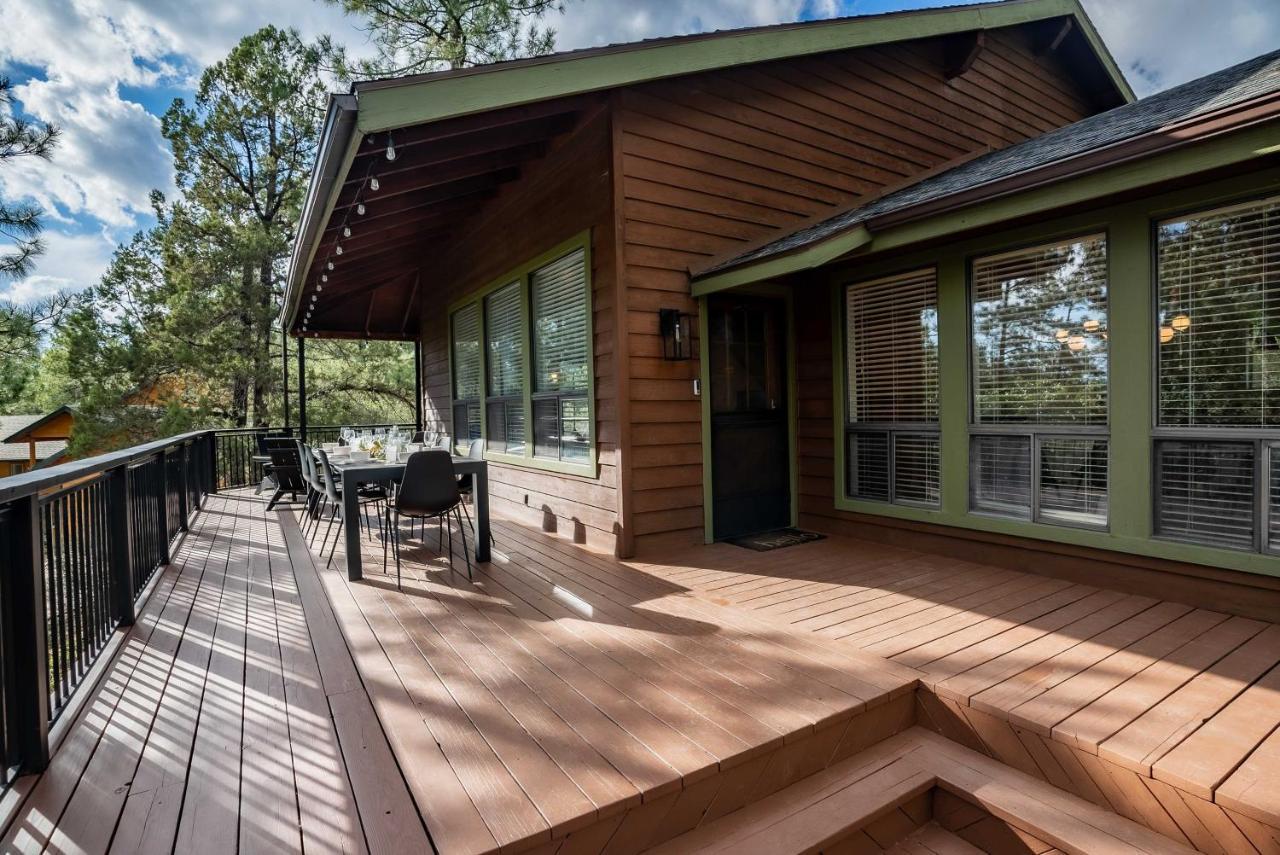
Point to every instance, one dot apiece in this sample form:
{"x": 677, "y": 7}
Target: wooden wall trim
{"x": 625, "y": 541}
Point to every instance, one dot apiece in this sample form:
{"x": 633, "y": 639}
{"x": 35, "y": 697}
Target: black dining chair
{"x": 428, "y": 490}
{"x": 374, "y": 495}
{"x": 315, "y": 487}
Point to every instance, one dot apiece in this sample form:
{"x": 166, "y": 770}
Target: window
{"x": 1218, "y": 357}
{"x": 1205, "y": 492}
{"x": 465, "y": 336}
{"x": 1038, "y": 431}
{"x": 504, "y": 358}
{"x": 561, "y": 358}
{"x": 891, "y": 352}
{"x": 527, "y": 369}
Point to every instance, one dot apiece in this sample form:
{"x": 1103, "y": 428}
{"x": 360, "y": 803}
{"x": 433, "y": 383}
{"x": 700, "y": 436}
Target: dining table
{"x": 355, "y": 473}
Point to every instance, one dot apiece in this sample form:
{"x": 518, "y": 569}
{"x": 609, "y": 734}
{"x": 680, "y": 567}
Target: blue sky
{"x": 105, "y": 70}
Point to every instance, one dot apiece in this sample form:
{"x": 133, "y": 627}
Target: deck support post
{"x": 183, "y": 511}
{"x": 417, "y": 384}
{"x": 28, "y": 683}
{"x": 302, "y": 389}
{"x": 162, "y": 506}
{"x": 120, "y": 522}
{"x": 284, "y": 373}
{"x": 212, "y": 486}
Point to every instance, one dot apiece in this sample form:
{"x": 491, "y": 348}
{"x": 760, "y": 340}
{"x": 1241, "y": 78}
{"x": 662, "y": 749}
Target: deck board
{"x": 1160, "y": 710}
{"x": 568, "y": 701}
{"x": 210, "y": 729}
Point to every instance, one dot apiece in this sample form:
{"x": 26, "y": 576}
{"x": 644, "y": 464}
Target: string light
{"x": 391, "y": 151}
{"x": 360, "y": 209}
{"x": 319, "y": 288}
{"x": 374, "y": 185}
{"x": 337, "y": 250}
{"x": 346, "y": 231}
{"x": 330, "y": 265}
{"x": 324, "y": 277}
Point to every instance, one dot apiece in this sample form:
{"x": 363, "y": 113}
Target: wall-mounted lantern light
{"x": 677, "y": 343}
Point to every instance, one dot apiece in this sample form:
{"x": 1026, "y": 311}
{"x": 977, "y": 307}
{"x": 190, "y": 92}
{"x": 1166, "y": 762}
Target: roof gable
{"x": 398, "y": 102}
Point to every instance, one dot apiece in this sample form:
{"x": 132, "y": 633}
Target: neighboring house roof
{"x": 389, "y": 104}
{"x": 21, "y": 451}
{"x": 1240, "y": 84}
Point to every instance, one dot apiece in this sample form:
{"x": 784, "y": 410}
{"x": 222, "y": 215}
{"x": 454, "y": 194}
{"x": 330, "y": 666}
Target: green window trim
{"x": 528, "y": 398}
{"x": 1132, "y": 398}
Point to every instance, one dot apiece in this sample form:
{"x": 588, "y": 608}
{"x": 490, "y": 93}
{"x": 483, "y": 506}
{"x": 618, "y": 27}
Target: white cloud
{"x": 588, "y": 23}
{"x": 1161, "y": 43}
{"x": 70, "y": 263}
{"x": 88, "y": 54}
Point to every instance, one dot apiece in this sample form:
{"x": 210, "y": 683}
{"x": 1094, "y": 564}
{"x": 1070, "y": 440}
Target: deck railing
{"x": 79, "y": 543}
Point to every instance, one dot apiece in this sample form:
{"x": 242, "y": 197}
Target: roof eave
{"x": 388, "y": 104}
{"x": 876, "y": 233}
{"x": 338, "y": 142}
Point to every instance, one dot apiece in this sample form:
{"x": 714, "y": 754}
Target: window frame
{"x": 1037, "y": 431}
{"x": 1265, "y": 440}
{"x": 891, "y": 430}
{"x": 588, "y": 466}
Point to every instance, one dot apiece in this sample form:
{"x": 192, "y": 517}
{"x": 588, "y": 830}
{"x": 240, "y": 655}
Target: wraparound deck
{"x": 570, "y": 702}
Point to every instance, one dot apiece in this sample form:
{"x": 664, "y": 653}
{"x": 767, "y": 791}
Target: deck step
{"x": 932, "y": 839}
{"x": 826, "y": 811}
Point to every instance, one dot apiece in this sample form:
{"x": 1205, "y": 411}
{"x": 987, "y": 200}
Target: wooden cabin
{"x": 27, "y": 442}
{"x": 930, "y": 277}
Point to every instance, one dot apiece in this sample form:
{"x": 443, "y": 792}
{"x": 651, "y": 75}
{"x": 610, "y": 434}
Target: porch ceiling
{"x": 369, "y": 270}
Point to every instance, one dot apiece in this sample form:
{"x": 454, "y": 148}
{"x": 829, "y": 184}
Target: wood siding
{"x": 566, "y": 193}
{"x": 716, "y": 161}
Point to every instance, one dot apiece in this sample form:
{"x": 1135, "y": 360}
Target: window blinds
{"x": 893, "y": 349}
{"x": 915, "y": 468}
{"x": 1273, "y": 526}
{"x": 868, "y": 465}
{"x": 562, "y": 354}
{"x": 891, "y": 353}
{"x": 504, "y": 411}
{"x": 1039, "y": 320}
{"x": 466, "y": 375}
{"x": 1000, "y": 475}
{"x": 1073, "y": 481}
{"x": 1219, "y": 317}
{"x": 502, "y": 318}
{"x": 1205, "y": 492}
{"x": 466, "y": 353}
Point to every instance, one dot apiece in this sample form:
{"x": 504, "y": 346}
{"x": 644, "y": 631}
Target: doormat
{"x": 776, "y": 539}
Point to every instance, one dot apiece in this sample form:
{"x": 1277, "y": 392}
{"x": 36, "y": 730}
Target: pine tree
{"x": 414, "y": 36}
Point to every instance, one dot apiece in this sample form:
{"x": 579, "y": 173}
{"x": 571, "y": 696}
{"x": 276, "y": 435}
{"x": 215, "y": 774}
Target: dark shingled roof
{"x": 1234, "y": 85}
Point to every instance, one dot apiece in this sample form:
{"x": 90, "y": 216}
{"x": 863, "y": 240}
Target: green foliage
{"x": 413, "y": 36}
{"x": 182, "y": 329}
{"x": 20, "y": 222}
